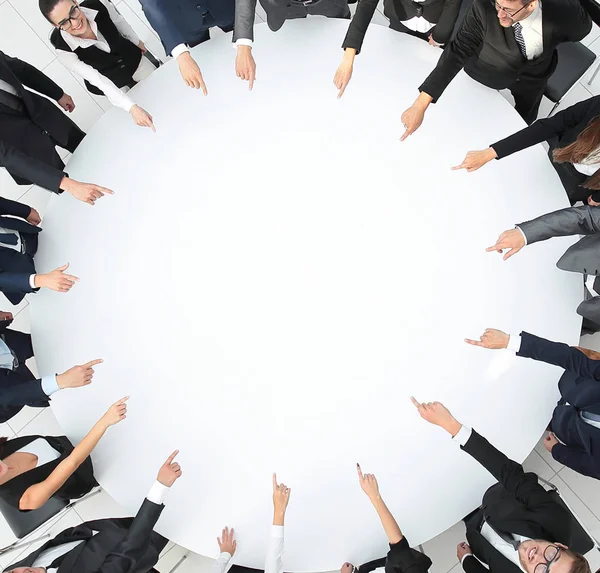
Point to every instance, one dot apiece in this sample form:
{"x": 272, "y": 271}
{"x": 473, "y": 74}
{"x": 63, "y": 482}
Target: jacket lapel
{"x": 18, "y": 225}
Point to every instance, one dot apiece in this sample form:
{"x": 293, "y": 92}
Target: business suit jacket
{"x": 582, "y": 257}
{"x": 489, "y": 53}
{"x": 16, "y": 267}
{"x": 517, "y": 504}
{"x": 278, "y": 11}
{"x": 186, "y": 21}
{"x": 125, "y": 545}
{"x": 580, "y": 391}
{"x": 34, "y": 132}
{"x": 442, "y": 13}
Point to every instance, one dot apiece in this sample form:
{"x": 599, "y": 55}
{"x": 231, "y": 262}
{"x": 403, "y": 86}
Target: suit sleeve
{"x": 578, "y": 460}
{"x": 244, "y": 20}
{"x": 372, "y": 565}
{"x": 22, "y": 393}
{"x": 559, "y": 354}
{"x": 562, "y": 223}
{"x": 402, "y": 558}
{"x": 31, "y": 169}
{"x": 510, "y": 474}
{"x": 14, "y": 208}
{"x": 359, "y": 24}
{"x": 544, "y": 129}
{"x": 445, "y": 25}
{"x": 467, "y": 43}
{"x": 34, "y": 79}
{"x": 581, "y": 23}
{"x": 15, "y": 282}
{"x": 135, "y": 543}
{"x": 473, "y": 565}
{"x": 161, "y": 20}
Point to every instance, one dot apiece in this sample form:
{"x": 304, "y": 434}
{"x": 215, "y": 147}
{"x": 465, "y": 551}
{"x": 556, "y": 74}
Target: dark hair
{"x": 46, "y": 6}
{"x": 580, "y": 563}
{"x": 586, "y": 143}
{"x": 2, "y": 442}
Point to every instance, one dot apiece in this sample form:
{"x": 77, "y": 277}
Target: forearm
{"x": 14, "y": 208}
{"x": 84, "y": 448}
{"x": 562, "y": 223}
{"x": 245, "y": 11}
{"x": 31, "y": 77}
{"x": 359, "y": 25}
{"x": 389, "y": 523}
{"x": 537, "y": 132}
{"x": 29, "y": 168}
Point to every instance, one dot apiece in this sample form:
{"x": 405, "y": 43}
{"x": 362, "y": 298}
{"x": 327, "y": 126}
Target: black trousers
{"x": 528, "y": 95}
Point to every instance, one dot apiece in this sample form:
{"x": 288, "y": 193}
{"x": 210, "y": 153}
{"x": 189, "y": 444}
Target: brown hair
{"x": 591, "y": 354}
{"x": 580, "y": 563}
{"x": 586, "y": 143}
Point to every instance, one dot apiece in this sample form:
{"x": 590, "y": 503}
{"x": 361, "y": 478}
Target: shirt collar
{"x": 73, "y": 41}
{"x": 532, "y": 18}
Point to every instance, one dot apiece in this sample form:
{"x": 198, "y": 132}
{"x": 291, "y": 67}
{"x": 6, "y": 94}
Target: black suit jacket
{"x": 490, "y": 54}
{"x": 579, "y": 387}
{"x": 24, "y": 132}
{"x": 16, "y": 267}
{"x": 516, "y": 504}
{"x": 442, "y": 13}
{"x": 121, "y": 545}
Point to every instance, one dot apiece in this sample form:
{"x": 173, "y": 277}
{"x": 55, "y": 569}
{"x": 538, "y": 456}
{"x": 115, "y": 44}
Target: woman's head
{"x": 65, "y": 15}
{"x": 586, "y": 144}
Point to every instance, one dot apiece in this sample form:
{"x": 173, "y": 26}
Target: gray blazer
{"x": 278, "y": 11}
{"x": 582, "y": 257}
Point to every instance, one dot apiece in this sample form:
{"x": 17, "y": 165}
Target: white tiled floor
{"x": 24, "y": 33}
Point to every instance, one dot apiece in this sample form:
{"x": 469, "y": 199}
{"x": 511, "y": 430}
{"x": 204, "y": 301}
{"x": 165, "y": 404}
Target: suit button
{"x": 44, "y": 132}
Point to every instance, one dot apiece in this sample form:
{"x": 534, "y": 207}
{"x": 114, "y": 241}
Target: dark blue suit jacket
{"x": 580, "y": 390}
{"x": 15, "y": 267}
{"x": 186, "y": 21}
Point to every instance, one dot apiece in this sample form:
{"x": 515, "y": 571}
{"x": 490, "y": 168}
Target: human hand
{"x": 347, "y": 568}
{"x": 170, "y": 471}
{"x": 77, "y": 376}
{"x": 281, "y": 497}
{"x": 142, "y": 47}
{"x": 514, "y": 240}
{"x": 190, "y": 72}
{"x": 245, "y": 66}
{"x": 56, "y": 280}
{"x": 86, "y": 192}
{"x": 34, "y": 217}
{"x": 550, "y": 441}
{"x": 432, "y": 42}
{"x": 116, "y": 413}
{"x": 491, "y": 338}
{"x": 343, "y": 74}
{"x": 476, "y": 159}
{"x": 368, "y": 483}
{"x": 226, "y": 542}
{"x": 142, "y": 117}
{"x": 5, "y": 315}
{"x": 591, "y": 202}
{"x": 437, "y": 414}
{"x": 66, "y": 102}
{"x": 412, "y": 118}
{"x": 462, "y": 549}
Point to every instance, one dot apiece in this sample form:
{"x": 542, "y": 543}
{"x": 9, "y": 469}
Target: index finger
{"x": 461, "y": 166}
{"x": 415, "y": 403}
{"x": 121, "y": 401}
{"x": 274, "y": 481}
{"x": 104, "y": 190}
{"x": 493, "y": 248}
{"x": 171, "y": 457}
{"x": 93, "y": 363}
{"x": 70, "y": 277}
{"x": 474, "y": 342}
{"x": 342, "y": 89}
{"x": 359, "y": 471}
{"x": 203, "y": 87}
{"x": 406, "y": 134}
{"x": 252, "y": 77}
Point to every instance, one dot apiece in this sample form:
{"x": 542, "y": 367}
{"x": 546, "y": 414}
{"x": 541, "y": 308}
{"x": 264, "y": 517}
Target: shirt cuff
{"x": 50, "y": 384}
{"x": 277, "y": 531}
{"x": 465, "y": 556}
{"x": 514, "y": 343}
{"x": 463, "y": 435}
{"x": 178, "y": 50}
{"x": 524, "y": 236}
{"x": 32, "y": 281}
{"x": 243, "y": 42}
{"x": 157, "y": 493}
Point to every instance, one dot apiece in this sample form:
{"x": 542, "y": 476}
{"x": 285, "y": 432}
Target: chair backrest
{"x": 574, "y": 59}
{"x": 581, "y": 542}
{"x": 465, "y": 5}
{"x": 23, "y": 523}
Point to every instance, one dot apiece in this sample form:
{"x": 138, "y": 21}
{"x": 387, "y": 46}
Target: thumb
{"x": 63, "y": 268}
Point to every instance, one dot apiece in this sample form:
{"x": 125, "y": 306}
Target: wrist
{"x": 67, "y": 184}
{"x": 453, "y": 427}
{"x": 492, "y": 153}
{"x": 60, "y": 381}
{"x": 423, "y": 101}
{"x": 38, "y": 281}
{"x": 244, "y": 49}
{"x": 349, "y": 54}
{"x": 183, "y": 56}
{"x": 278, "y": 516}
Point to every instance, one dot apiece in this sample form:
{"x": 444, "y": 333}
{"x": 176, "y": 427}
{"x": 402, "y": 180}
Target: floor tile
{"x": 30, "y": 12}
{"x": 100, "y": 506}
{"x": 536, "y": 464}
{"x": 15, "y": 309}
{"x": 8, "y": 188}
{"x": 593, "y": 35}
{"x": 193, "y": 563}
{"x": 24, "y": 417}
{"x": 577, "y": 94}
{"x": 586, "y": 488}
{"x": 44, "y": 424}
{"x": 442, "y": 549}
{"x": 39, "y": 199}
{"x": 547, "y": 456}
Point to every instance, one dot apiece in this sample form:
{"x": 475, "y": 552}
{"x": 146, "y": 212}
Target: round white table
{"x": 277, "y": 273}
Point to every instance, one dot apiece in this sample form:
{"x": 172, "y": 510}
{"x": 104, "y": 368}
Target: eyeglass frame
{"x": 506, "y": 10}
{"x": 548, "y": 561}
{"x": 68, "y": 20}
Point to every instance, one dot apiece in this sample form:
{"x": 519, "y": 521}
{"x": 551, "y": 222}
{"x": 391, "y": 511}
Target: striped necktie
{"x": 518, "y": 30}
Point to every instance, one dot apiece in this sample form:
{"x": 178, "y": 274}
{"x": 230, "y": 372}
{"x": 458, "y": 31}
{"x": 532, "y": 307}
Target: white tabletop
{"x": 277, "y": 273}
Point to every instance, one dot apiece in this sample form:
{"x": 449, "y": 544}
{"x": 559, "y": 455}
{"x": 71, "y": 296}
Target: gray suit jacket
{"x": 278, "y": 11}
{"x": 582, "y": 257}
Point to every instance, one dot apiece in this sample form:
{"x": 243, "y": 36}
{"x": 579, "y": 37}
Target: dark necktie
{"x": 518, "y": 30}
{"x": 9, "y": 238}
{"x": 11, "y": 101}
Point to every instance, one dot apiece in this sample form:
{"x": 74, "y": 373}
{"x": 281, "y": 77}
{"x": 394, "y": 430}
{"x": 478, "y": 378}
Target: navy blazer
{"x": 16, "y": 267}
{"x": 186, "y": 21}
{"x": 580, "y": 390}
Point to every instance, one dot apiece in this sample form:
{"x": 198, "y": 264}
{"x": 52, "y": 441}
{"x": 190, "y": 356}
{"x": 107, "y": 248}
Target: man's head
{"x": 66, "y": 15}
{"x": 539, "y": 556}
{"x": 511, "y": 11}
{"x": 26, "y": 570}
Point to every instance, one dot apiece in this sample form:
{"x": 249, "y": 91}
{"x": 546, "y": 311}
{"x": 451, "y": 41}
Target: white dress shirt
{"x": 8, "y": 88}
{"x": 531, "y": 29}
{"x": 156, "y": 494}
{"x": 222, "y": 563}
{"x": 71, "y": 61}
{"x": 275, "y": 551}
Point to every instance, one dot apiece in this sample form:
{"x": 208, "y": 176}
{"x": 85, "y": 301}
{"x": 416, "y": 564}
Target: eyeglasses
{"x": 551, "y": 554}
{"x": 508, "y": 11}
{"x": 66, "y": 24}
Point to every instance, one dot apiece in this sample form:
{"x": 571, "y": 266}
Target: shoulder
{"x": 58, "y": 41}
{"x": 561, "y": 10}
